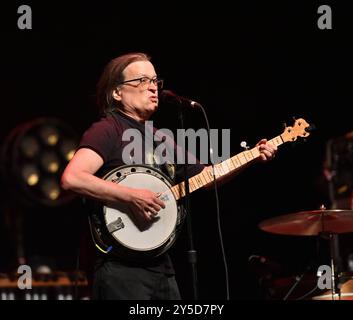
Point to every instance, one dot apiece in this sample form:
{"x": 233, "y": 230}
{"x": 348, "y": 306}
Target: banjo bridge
{"x": 164, "y": 197}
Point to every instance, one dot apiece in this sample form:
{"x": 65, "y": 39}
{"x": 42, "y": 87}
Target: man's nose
{"x": 152, "y": 87}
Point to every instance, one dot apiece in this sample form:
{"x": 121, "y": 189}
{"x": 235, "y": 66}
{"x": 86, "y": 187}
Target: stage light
{"x": 29, "y": 147}
{"x": 51, "y": 189}
{"x": 68, "y": 149}
{"x": 34, "y": 156}
{"x": 50, "y": 161}
{"x": 30, "y": 174}
{"x": 49, "y": 135}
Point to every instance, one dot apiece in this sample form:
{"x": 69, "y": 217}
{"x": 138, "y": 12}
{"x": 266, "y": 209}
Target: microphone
{"x": 171, "y": 97}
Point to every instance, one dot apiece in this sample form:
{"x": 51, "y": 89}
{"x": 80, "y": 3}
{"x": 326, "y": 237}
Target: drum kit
{"x": 321, "y": 223}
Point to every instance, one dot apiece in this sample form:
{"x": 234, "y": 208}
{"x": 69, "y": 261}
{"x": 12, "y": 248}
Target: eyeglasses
{"x": 145, "y": 82}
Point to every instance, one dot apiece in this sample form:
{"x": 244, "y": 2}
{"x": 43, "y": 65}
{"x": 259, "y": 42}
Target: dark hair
{"x": 111, "y": 76}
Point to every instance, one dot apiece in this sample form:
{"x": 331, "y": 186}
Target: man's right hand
{"x": 145, "y": 203}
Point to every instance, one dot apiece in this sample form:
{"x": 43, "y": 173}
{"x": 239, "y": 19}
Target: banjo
{"x": 138, "y": 240}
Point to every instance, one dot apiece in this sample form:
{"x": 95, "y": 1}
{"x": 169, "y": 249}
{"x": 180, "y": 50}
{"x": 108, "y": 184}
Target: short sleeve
{"x": 102, "y": 137}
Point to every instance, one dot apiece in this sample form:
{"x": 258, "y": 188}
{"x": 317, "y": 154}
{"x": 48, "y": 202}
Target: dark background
{"x": 253, "y": 66}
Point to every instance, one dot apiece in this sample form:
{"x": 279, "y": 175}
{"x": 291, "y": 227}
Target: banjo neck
{"x": 300, "y": 128}
{"x": 226, "y": 167}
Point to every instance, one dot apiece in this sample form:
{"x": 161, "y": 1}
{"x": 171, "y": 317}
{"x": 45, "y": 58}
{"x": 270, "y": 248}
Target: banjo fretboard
{"x": 221, "y": 169}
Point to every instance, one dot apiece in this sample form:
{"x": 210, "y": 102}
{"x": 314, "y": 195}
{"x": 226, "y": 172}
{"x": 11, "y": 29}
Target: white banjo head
{"x": 135, "y": 233}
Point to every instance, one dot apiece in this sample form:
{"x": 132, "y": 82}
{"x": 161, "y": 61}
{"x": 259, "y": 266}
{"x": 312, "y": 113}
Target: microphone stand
{"x": 192, "y": 254}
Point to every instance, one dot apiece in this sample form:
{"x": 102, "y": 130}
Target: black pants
{"x": 116, "y": 281}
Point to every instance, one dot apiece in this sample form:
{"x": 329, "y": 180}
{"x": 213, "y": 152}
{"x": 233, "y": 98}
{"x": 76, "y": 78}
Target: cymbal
{"x": 310, "y": 223}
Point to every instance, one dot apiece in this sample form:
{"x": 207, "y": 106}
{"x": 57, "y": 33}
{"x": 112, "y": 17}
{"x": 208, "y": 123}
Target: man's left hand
{"x": 267, "y": 150}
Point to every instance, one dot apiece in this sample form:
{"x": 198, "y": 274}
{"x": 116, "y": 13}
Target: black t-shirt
{"x": 105, "y": 137}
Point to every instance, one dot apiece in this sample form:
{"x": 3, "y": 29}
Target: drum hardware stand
{"x": 335, "y": 265}
{"x": 298, "y": 279}
{"x": 334, "y": 256}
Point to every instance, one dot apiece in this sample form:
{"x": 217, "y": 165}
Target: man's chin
{"x": 153, "y": 108}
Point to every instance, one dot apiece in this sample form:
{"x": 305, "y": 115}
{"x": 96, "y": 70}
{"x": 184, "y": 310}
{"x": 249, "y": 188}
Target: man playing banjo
{"x": 127, "y": 94}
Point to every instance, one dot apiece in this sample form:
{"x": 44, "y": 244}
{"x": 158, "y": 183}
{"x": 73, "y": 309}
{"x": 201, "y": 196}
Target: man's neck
{"x": 135, "y": 116}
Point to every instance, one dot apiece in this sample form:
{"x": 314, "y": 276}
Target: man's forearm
{"x": 91, "y": 186}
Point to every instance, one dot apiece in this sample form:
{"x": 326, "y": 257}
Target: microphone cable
{"x": 217, "y": 203}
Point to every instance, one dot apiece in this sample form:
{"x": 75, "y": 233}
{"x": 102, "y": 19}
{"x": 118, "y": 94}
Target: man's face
{"x": 139, "y": 99}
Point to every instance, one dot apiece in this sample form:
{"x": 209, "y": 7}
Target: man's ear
{"x": 117, "y": 94}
